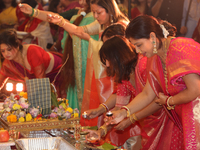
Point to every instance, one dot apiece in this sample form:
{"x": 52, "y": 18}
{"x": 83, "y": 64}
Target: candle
{"x": 109, "y": 114}
{"x": 84, "y": 114}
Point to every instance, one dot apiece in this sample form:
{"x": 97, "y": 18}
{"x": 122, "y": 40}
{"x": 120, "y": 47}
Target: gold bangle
{"x": 104, "y": 128}
{"x": 127, "y": 111}
{"x": 134, "y": 117}
{"x": 168, "y": 106}
{"x": 103, "y": 107}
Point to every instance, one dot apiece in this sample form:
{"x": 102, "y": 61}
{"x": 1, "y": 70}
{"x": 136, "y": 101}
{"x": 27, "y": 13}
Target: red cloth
{"x": 135, "y": 12}
{"x": 37, "y": 56}
{"x": 125, "y": 93}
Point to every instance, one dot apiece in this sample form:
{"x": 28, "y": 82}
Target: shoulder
{"x": 182, "y": 41}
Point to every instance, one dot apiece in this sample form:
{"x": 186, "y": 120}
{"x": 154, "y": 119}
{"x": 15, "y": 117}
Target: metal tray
{"x": 51, "y": 143}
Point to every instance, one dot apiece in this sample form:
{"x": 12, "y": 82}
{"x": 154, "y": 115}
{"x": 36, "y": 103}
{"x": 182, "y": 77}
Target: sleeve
{"x": 92, "y": 28}
{"x": 123, "y": 95}
{"x": 35, "y": 59}
{"x": 68, "y": 14}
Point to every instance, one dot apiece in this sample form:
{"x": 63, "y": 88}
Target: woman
{"x": 120, "y": 58}
{"x": 8, "y": 17}
{"x": 39, "y": 31}
{"x": 26, "y": 60}
{"x": 176, "y": 127}
{"x": 98, "y": 86}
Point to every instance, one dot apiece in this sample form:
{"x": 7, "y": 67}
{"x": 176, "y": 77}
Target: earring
{"x": 111, "y": 19}
{"x": 154, "y": 47}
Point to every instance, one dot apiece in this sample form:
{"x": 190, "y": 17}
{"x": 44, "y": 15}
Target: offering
{"x": 84, "y": 114}
{"x": 109, "y": 114}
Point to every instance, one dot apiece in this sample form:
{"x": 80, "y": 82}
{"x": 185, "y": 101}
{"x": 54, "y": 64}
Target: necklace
{"x": 163, "y": 61}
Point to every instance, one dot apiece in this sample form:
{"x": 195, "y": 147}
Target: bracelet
{"x": 62, "y": 22}
{"x": 127, "y": 111}
{"x": 167, "y": 104}
{"x": 133, "y": 118}
{"x": 103, "y": 107}
{"x": 32, "y": 12}
{"x": 104, "y": 130}
{"x": 36, "y": 13}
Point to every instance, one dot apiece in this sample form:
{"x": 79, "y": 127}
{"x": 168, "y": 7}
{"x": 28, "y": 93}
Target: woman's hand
{"x": 124, "y": 124}
{"x": 162, "y": 99}
{"x": 92, "y": 113}
{"x": 56, "y": 19}
{"x": 117, "y": 117}
{"x": 25, "y": 8}
{"x": 93, "y": 134}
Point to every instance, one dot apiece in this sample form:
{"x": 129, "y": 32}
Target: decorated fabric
{"x": 183, "y": 58}
{"x": 125, "y": 93}
{"x": 39, "y": 94}
{"x": 39, "y": 29}
{"x": 15, "y": 71}
{"x": 80, "y": 51}
{"x": 98, "y": 86}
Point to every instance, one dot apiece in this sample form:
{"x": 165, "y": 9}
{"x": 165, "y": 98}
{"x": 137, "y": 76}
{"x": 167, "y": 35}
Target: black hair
{"x": 122, "y": 57}
{"x": 9, "y": 37}
{"x": 114, "y": 29}
{"x": 142, "y": 26}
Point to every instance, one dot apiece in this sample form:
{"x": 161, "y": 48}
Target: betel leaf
{"x": 107, "y": 146}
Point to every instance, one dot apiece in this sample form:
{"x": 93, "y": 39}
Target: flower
{"x": 53, "y": 115}
{"x": 25, "y": 95}
{"x": 21, "y": 119}
{"x": 76, "y": 115}
{"x": 12, "y": 118}
{"x": 24, "y": 105}
{"x": 28, "y": 117}
{"x": 69, "y": 109}
{"x": 34, "y": 112}
{"x": 16, "y": 106}
{"x": 67, "y": 115}
{"x": 21, "y": 94}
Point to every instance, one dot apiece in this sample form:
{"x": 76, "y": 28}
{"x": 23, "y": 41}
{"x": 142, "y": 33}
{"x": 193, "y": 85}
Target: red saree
{"x": 125, "y": 93}
{"x": 162, "y": 129}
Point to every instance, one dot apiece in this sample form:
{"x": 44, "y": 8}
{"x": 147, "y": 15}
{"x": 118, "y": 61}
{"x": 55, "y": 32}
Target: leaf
{"x": 93, "y": 128}
{"x": 107, "y": 146}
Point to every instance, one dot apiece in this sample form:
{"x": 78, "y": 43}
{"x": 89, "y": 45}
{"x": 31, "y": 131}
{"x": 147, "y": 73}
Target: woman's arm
{"x": 42, "y": 15}
{"x": 138, "y": 103}
{"x": 56, "y": 19}
{"x": 192, "y": 91}
{"x": 110, "y": 103}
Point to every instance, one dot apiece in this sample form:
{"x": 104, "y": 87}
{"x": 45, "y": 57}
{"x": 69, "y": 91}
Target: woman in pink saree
{"x": 172, "y": 90}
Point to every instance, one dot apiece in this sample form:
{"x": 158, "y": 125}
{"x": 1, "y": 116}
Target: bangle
{"x": 127, "y": 111}
{"x": 103, "y": 107}
{"x": 167, "y": 104}
{"x": 32, "y": 12}
{"x": 36, "y": 13}
{"x": 104, "y": 130}
{"x": 133, "y": 118}
{"x": 62, "y": 22}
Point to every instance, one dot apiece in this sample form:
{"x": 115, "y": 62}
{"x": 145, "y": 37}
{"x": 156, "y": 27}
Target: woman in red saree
{"x": 120, "y": 58}
{"x": 173, "y": 77}
{"x": 26, "y": 60}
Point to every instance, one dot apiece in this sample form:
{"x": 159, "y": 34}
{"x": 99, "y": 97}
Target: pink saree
{"x": 165, "y": 129}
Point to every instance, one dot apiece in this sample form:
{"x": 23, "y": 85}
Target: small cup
{"x": 84, "y": 114}
{"x": 109, "y": 114}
